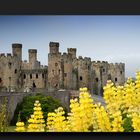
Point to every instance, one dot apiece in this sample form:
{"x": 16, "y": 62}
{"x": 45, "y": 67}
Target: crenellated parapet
{"x": 72, "y": 51}
{"x": 99, "y": 63}
{"x": 17, "y": 50}
{"x": 117, "y": 65}
{"x": 64, "y": 70}
{"x": 54, "y": 47}
{"x": 7, "y": 57}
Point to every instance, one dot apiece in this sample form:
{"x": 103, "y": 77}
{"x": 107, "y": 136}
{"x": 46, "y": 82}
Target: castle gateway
{"x": 64, "y": 71}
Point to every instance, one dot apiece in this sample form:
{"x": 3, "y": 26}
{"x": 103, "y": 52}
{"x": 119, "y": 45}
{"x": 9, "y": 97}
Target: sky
{"x": 106, "y": 38}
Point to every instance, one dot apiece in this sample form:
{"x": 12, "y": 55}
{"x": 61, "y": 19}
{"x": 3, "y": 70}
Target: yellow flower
{"x": 20, "y": 124}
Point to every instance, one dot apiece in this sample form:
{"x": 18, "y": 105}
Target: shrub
{"x": 121, "y": 112}
{"x": 25, "y": 108}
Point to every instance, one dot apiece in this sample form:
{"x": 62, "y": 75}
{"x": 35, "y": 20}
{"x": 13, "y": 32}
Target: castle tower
{"x": 72, "y": 51}
{"x": 10, "y": 72}
{"x": 99, "y": 76}
{"x": 54, "y": 47}
{"x": 117, "y": 73}
{"x": 67, "y": 59}
{"x": 32, "y": 58}
{"x": 84, "y": 65}
{"x": 17, "y": 50}
{"x": 55, "y": 67}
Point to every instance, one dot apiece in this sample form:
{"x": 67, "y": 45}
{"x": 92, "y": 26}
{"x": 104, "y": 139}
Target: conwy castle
{"x": 64, "y": 71}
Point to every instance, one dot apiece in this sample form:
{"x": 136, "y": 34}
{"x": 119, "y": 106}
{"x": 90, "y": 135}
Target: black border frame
{"x": 69, "y": 7}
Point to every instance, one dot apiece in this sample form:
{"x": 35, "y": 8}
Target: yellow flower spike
{"x": 37, "y": 102}
{"x": 20, "y": 127}
{"x": 85, "y": 115}
{"x": 36, "y": 122}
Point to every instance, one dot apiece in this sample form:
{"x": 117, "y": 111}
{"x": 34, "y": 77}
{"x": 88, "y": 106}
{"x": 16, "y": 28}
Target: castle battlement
{"x": 9, "y": 55}
{"x": 32, "y": 50}
{"x": 64, "y": 70}
{"x": 2, "y": 54}
{"x": 72, "y": 51}
{"x": 54, "y": 44}
{"x": 80, "y": 57}
{"x": 67, "y": 56}
{"x": 25, "y": 61}
{"x": 116, "y": 64}
{"x": 16, "y": 45}
{"x": 87, "y": 59}
{"x": 64, "y": 53}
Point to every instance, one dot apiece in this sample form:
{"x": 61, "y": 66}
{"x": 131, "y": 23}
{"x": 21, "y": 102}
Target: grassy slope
{"x": 11, "y": 128}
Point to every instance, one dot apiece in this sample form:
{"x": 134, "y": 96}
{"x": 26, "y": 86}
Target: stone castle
{"x": 64, "y": 71}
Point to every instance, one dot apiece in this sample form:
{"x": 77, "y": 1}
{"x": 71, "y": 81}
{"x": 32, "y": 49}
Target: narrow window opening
{"x": 120, "y": 72}
{"x": 10, "y": 64}
{"x": 15, "y": 71}
{"x": 56, "y": 64}
{"x": 109, "y": 77}
{"x": 115, "y": 79}
{"x": 30, "y": 76}
{"x": 96, "y": 79}
{"x": 42, "y": 75}
{"x": 53, "y": 71}
{"x": 59, "y": 71}
{"x": 65, "y": 74}
{"x": 24, "y": 76}
{"x": 81, "y": 78}
{"x": 103, "y": 70}
{"x": 36, "y": 76}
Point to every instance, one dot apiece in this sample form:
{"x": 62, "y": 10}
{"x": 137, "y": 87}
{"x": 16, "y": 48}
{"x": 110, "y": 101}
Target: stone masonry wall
{"x": 15, "y": 98}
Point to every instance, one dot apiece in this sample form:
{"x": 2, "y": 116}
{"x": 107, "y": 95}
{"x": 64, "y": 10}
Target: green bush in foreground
{"x": 26, "y": 107}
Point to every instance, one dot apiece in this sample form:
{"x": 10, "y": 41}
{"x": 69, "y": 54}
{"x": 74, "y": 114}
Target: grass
{"x": 11, "y": 128}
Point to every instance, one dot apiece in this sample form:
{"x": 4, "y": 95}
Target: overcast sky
{"x": 106, "y": 38}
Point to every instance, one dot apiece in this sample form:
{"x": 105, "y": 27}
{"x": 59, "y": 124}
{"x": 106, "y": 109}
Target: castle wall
{"x": 25, "y": 65}
{"x": 84, "y": 72}
{"x": 11, "y": 71}
{"x": 67, "y": 60}
{"x": 72, "y": 51}
{"x": 55, "y": 68}
{"x": 38, "y": 76}
{"x": 63, "y": 72}
{"x": 75, "y": 79}
{"x": 17, "y": 50}
{"x": 15, "y": 98}
{"x": 33, "y": 63}
{"x": 117, "y": 73}
{"x": 96, "y": 78}
{"x": 104, "y": 71}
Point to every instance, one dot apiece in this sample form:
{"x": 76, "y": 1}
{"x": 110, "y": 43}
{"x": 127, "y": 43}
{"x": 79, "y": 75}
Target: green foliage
{"x": 127, "y": 125}
{"x": 3, "y": 117}
{"x": 25, "y": 108}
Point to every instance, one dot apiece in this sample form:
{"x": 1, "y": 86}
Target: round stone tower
{"x": 72, "y": 51}
{"x": 32, "y": 57}
{"x": 54, "y": 47}
{"x": 67, "y": 59}
{"x": 55, "y": 67}
{"x": 17, "y": 50}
